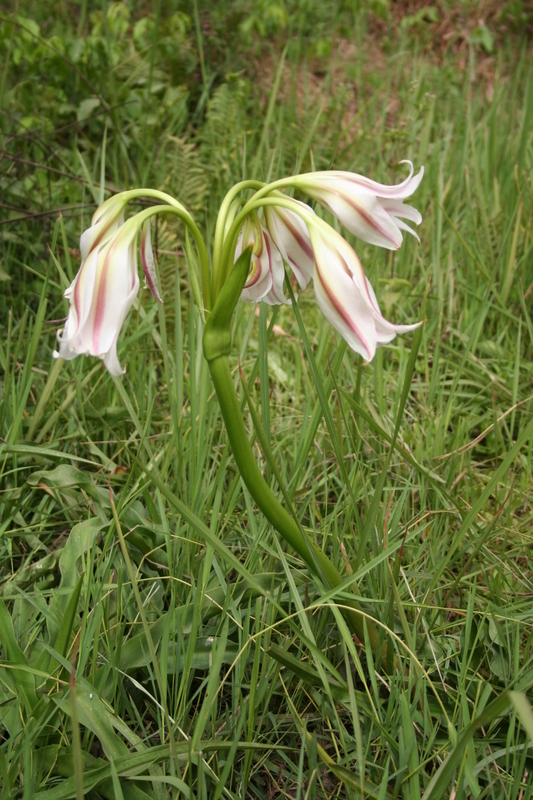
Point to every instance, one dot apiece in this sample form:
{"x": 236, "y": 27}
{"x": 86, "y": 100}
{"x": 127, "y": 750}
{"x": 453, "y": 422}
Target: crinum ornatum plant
{"x": 260, "y": 231}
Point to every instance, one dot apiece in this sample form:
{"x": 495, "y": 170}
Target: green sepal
{"x": 217, "y": 332}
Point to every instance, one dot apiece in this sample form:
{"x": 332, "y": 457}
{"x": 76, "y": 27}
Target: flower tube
{"x": 104, "y": 223}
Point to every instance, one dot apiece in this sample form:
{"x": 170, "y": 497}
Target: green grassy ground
{"x": 155, "y": 637}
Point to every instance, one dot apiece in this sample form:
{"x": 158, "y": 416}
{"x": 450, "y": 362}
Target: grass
{"x": 155, "y": 637}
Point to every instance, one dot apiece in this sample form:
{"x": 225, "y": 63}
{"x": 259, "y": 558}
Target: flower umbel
{"x": 287, "y": 231}
{"x": 312, "y": 248}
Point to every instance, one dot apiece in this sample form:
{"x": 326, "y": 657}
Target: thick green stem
{"x": 314, "y": 557}
{"x": 217, "y": 346}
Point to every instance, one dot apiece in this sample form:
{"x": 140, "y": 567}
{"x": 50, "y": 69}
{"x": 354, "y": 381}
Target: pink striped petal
{"x": 291, "y": 237}
{"x": 101, "y": 297}
{"x": 346, "y": 297}
{"x": 265, "y": 280}
{"x": 400, "y": 190}
{"x": 371, "y": 211}
{"x": 116, "y": 287}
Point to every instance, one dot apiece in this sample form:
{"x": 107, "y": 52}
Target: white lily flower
{"x": 105, "y": 288}
{"x": 345, "y": 295}
{"x": 371, "y": 211}
{"x": 312, "y": 248}
{"x": 266, "y": 276}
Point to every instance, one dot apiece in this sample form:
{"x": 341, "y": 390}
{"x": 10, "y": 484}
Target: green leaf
{"x": 213, "y": 686}
{"x": 127, "y": 765}
{"x": 442, "y": 778}
{"x": 24, "y": 680}
{"x": 87, "y": 107}
{"x": 308, "y": 675}
{"x": 64, "y": 476}
{"x": 80, "y": 540}
{"x": 94, "y": 715}
{"x": 62, "y": 641}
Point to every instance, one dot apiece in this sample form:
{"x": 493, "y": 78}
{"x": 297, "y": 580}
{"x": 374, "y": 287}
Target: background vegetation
{"x": 155, "y": 638}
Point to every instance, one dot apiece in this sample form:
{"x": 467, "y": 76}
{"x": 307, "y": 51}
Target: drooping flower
{"x": 312, "y": 248}
{"x": 105, "y": 288}
{"x": 371, "y": 211}
{"x": 266, "y": 276}
{"x": 345, "y": 295}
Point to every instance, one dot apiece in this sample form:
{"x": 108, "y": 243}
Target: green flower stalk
{"x": 217, "y": 347}
{"x": 255, "y": 239}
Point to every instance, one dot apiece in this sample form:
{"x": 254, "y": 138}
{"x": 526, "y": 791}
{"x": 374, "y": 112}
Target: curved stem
{"x": 254, "y": 203}
{"x": 314, "y": 557}
{"x": 180, "y": 211}
{"x": 220, "y": 229}
{"x": 275, "y": 186}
